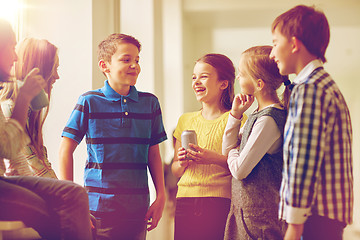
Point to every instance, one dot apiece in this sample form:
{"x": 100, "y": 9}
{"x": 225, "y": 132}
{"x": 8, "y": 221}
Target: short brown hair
{"x": 108, "y": 46}
{"x": 308, "y": 25}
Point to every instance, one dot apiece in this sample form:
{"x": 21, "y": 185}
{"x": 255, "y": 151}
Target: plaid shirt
{"x": 317, "y": 173}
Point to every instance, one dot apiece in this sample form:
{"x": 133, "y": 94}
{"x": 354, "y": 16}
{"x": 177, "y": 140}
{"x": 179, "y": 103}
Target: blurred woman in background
{"x": 41, "y": 54}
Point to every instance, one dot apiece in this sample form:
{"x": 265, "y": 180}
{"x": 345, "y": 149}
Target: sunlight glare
{"x": 9, "y": 10}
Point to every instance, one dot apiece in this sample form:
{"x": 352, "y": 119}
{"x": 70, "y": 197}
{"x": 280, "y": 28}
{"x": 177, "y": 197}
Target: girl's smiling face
{"x": 205, "y": 83}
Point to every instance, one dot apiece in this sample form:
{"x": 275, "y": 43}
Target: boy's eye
{"x": 125, "y": 60}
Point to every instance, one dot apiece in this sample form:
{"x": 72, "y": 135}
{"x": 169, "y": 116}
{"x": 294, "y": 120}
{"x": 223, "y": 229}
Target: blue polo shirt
{"x": 119, "y": 131}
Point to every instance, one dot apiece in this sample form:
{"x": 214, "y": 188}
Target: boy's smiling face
{"x": 123, "y": 69}
{"x": 282, "y": 52}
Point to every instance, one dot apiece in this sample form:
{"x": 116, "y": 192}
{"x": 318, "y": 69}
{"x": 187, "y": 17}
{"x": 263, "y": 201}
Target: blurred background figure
{"x": 41, "y": 54}
{"x": 55, "y": 209}
{"x": 170, "y": 186}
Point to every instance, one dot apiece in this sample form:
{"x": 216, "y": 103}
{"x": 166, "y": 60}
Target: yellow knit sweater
{"x": 204, "y": 180}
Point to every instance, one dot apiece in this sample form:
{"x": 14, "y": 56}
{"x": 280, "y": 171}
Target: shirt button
{"x": 126, "y": 113}
{"x": 124, "y": 100}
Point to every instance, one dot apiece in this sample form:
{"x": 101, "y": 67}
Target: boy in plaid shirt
{"x": 317, "y": 186}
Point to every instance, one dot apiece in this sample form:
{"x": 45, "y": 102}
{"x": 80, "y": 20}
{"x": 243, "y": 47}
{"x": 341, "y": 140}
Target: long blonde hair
{"x": 34, "y": 53}
{"x": 260, "y": 66}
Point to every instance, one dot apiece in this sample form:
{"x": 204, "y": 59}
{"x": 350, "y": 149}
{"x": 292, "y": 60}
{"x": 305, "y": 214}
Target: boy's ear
{"x": 260, "y": 84}
{"x": 296, "y": 44}
{"x": 224, "y": 84}
{"x": 103, "y": 66}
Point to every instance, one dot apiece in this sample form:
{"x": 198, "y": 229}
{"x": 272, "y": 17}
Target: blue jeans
{"x": 201, "y": 218}
{"x": 55, "y": 209}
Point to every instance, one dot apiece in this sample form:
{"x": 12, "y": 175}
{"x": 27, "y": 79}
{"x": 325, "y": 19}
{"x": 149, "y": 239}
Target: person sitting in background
{"x": 55, "y": 209}
{"x": 32, "y": 53}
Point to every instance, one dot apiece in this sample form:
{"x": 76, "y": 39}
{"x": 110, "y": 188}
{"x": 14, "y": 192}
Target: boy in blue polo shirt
{"x": 123, "y": 129}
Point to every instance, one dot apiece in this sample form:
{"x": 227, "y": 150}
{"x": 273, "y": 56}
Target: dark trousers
{"x": 55, "y": 209}
{"x": 116, "y": 226}
{"x": 319, "y": 227}
{"x": 202, "y": 218}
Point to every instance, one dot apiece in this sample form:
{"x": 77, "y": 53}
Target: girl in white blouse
{"x": 255, "y": 151}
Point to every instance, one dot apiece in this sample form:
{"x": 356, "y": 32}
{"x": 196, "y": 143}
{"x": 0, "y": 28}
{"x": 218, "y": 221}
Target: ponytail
{"x": 287, "y": 91}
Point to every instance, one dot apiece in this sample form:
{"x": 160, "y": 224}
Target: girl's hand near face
{"x": 33, "y": 84}
{"x": 240, "y": 104}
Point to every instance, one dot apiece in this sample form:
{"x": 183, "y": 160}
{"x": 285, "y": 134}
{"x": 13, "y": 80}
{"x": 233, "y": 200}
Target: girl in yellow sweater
{"x": 204, "y": 189}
